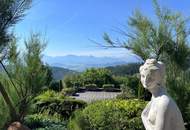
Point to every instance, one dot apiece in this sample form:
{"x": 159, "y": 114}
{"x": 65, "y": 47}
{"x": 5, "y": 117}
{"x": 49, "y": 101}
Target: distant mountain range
{"x": 118, "y": 70}
{"x": 59, "y": 73}
{"x": 80, "y": 63}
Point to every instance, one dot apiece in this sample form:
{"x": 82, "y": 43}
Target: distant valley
{"x": 80, "y": 63}
{"x": 71, "y": 64}
{"x": 118, "y": 70}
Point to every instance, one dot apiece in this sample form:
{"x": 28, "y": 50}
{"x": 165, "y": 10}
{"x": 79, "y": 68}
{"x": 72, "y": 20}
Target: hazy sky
{"x": 69, "y": 24}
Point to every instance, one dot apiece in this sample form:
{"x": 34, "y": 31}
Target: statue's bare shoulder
{"x": 161, "y": 113}
{"x": 164, "y": 101}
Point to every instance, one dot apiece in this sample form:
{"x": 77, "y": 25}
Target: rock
{"x": 17, "y": 126}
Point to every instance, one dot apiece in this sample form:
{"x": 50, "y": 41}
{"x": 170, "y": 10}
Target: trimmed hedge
{"x": 91, "y": 87}
{"x": 57, "y": 103}
{"x": 109, "y": 115}
{"x": 109, "y": 87}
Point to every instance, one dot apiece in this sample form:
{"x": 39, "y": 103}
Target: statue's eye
{"x": 142, "y": 76}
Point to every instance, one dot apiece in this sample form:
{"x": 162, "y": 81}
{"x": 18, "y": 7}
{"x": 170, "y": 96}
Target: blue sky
{"x": 69, "y": 24}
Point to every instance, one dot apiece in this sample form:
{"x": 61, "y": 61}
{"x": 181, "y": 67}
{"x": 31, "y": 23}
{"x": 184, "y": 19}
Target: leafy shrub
{"x": 64, "y": 107}
{"x": 132, "y": 87}
{"x": 53, "y": 127}
{"x": 188, "y": 117}
{"x": 91, "y": 87}
{"x": 56, "y": 86}
{"x": 78, "y": 121}
{"x": 121, "y": 79}
{"x": 73, "y": 81}
{"x": 109, "y": 115}
{"x": 109, "y": 87}
{"x": 56, "y": 103}
{"x": 98, "y": 76}
{"x": 68, "y": 91}
{"x": 178, "y": 87}
{"x": 49, "y": 95}
{"x": 4, "y": 113}
{"x": 133, "y": 83}
{"x": 43, "y": 121}
{"x": 126, "y": 95}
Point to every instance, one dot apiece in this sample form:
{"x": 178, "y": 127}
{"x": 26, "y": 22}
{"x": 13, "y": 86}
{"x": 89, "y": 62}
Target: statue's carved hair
{"x": 154, "y": 65}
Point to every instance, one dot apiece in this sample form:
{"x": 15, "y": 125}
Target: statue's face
{"x": 149, "y": 78}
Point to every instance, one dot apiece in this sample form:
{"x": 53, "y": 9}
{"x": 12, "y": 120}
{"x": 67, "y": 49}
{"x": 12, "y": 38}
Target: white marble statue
{"x": 161, "y": 113}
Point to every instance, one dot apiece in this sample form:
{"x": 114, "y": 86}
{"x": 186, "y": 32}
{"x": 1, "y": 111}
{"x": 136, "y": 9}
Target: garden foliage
{"x": 53, "y": 102}
{"x": 43, "y": 121}
{"x": 109, "y": 115}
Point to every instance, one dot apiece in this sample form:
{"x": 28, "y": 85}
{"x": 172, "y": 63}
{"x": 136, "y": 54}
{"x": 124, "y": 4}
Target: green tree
{"x": 123, "y": 70}
{"x": 48, "y": 69}
{"x": 27, "y": 73}
{"x": 11, "y": 11}
{"x": 98, "y": 76}
{"x": 73, "y": 81}
{"x": 94, "y": 76}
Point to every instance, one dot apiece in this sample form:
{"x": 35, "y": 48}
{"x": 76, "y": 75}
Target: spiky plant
{"x": 11, "y": 11}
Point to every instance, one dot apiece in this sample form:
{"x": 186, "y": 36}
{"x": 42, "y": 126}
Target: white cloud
{"x": 97, "y": 53}
{"x": 117, "y": 53}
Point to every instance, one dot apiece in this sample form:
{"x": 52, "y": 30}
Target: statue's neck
{"x": 158, "y": 91}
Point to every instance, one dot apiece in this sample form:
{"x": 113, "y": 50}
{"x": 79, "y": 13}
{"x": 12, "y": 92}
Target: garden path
{"x": 90, "y": 96}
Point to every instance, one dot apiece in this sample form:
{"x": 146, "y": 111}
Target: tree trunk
{"x": 12, "y": 110}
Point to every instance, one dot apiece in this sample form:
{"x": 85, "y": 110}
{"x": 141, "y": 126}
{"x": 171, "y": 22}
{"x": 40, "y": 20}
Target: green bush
{"x": 109, "y": 115}
{"x": 68, "y": 91}
{"x": 53, "y": 127}
{"x": 188, "y": 117}
{"x": 73, "y": 81}
{"x": 132, "y": 87}
{"x": 4, "y": 113}
{"x": 91, "y": 87}
{"x": 78, "y": 121}
{"x": 43, "y": 121}
{"x": 56, "y": 86}
{"x": 98, "y": 76}
{"x": 178, "y": 84}
{"x": 49, "y": 95}
{"x": 56, "y": 103}
{"x": 109, "y": 87}
{"x": 126, "y": 95}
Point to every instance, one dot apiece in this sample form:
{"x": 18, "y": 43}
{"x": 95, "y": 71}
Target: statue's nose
{"x": 147, "y": 80}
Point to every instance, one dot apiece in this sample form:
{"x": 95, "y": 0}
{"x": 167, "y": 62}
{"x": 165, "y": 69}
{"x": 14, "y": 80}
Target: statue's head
{"x": 152, "y": 73}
